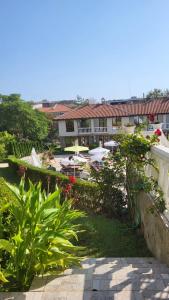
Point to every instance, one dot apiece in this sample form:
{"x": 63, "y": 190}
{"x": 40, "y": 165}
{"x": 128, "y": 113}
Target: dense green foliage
{"x": 43, "y": 235}
{"x": 5, "y": 194}
{"x": 104, "y": 237}
{"x": 110, "y": 179}
{"x": 19, "y": 118}
{"x": 157, "y": 93}
{"x": 135, "y": 148}
{"x": 122, "y": 176}
{"x": 24, "y": 148}
{"x": 5, "y": 140}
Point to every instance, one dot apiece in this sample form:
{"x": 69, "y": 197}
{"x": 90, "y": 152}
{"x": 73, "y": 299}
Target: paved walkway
{"x": 4, "y": 165}
{"x": 103, "y": 279}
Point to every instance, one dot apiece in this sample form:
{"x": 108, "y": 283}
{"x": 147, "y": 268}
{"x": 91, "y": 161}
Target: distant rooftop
{"x": 56, "y": 108}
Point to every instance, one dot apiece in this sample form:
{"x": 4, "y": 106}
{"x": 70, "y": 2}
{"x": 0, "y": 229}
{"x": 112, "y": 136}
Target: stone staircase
{"x": 102, "y": 279}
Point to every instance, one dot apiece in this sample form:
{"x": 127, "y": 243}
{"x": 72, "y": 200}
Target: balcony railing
{"x": 165, "y": 126}
{"x": 100, "y": 129}
{"x": 84, "y": 130}
{"x": 89, "y": 130}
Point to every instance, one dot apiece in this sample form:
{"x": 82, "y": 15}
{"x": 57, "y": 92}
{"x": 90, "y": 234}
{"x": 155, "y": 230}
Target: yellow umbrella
{"x": 76, "y": 149}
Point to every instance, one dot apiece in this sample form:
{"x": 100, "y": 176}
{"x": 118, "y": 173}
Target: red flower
{"x": 157, "y": 132}
{"x": 72, "y": 179}
{"x": 151, "y": 118}
{"x": 68, "y": 188}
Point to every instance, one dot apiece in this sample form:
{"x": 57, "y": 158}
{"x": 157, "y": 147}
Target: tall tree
{"x": 11, "y": 97}
{"x": 19, "y": 118}
{"x": 155, "y": 93}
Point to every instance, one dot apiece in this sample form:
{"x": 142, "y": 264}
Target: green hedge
{"x": 22, "y": 149}
{"x": 86, "y": 194}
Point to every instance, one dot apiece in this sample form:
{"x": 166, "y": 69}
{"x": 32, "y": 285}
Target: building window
{"x": 84, "y": 123}
{"x": 160, "y": 118}
{"x": 131, "y": 120}
{"x": 103, "y": 122}
{"x": 69, "y": 126}
{"x": 116, "y": 121}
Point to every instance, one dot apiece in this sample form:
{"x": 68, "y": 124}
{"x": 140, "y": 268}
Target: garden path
{"x": 102, "y": 279}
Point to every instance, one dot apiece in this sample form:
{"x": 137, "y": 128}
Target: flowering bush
{"x": 135, "y": 148}
{"x": 72, "y": 179}
{"x": 67, "y": 188}
{"x": 158, "y": 132}
{"x": 110, "y": 180}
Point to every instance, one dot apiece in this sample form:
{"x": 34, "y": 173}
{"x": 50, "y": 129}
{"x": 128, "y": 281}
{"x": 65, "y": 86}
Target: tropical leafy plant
{"x": 43, "y": 237}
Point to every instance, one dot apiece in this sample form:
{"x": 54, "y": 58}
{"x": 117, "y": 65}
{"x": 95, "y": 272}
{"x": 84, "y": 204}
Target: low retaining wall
{"x": 155, "y": 227}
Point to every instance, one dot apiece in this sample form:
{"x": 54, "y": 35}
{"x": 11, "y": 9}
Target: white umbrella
{"x": 97, "y": 157}
{"x": 67, "y": 162}
{"x": 111, "y": 144}
{"x": 73, "y": 161}
{"x": 99, "y": 150}
{"x": 78, "y": 159}
{"x": 35, "y": 161}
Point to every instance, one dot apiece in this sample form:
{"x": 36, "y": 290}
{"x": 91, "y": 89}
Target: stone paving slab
{"x": 102, "y": 279}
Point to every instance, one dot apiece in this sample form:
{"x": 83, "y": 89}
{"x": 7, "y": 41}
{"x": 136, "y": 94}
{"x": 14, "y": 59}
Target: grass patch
{"x": 105, "y": 237}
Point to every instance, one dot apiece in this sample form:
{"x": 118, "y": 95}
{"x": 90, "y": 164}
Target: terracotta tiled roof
{"x": 55, "y": 109}
{"x": 159, "y": 106}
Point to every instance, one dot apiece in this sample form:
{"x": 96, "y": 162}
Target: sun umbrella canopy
{"x": 73, "y": 161}
{"x": 79, "y": 159}
{"x": 97, "y": 157}
{"x": 98, "y": 150}
{"x": 76, "y": 149}
{"x": 35, "y": 161}
{"x": 111, "y": 144}
{"x": 67, "y": 162}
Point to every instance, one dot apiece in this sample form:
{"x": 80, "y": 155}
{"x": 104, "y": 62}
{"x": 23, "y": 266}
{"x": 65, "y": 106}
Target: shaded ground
{"x": 8, "y": 174}
{"x": 110, "y": 238}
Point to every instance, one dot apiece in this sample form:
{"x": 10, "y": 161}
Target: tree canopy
{"x": 19, "y": 118}
{"x": 157, "y": 93}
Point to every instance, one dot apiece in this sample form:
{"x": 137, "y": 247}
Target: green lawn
{"x": 110, "y": 238}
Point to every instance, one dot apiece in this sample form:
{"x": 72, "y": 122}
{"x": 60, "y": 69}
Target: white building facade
{"x": 78, "y": 126}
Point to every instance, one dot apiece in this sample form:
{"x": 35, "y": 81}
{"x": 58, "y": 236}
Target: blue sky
{"x": 56, "y": 49}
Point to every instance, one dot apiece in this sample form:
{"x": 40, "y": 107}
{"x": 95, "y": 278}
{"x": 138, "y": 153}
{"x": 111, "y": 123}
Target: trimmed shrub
{"x": 86, "y": 194}
{"x": 22, "y": 149}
